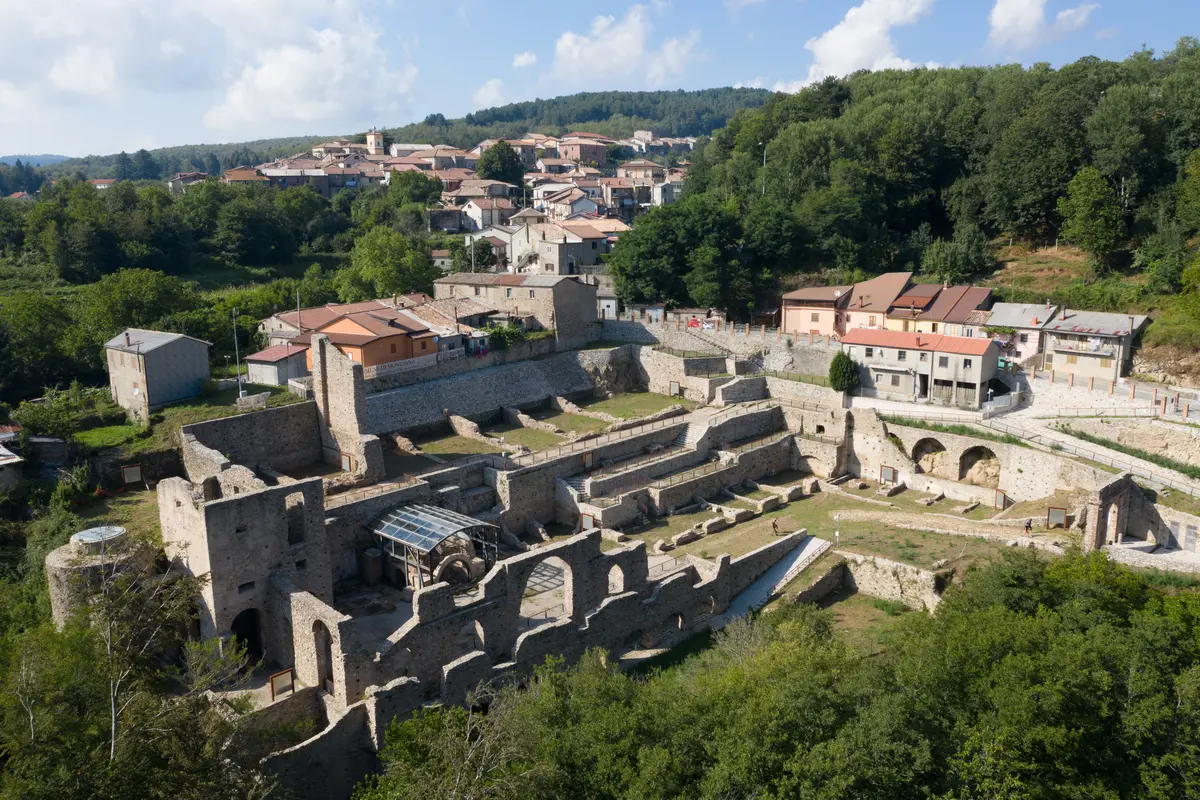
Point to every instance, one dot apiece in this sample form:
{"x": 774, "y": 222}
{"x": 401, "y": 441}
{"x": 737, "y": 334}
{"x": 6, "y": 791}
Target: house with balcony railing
{"x": 1090, "y": 344}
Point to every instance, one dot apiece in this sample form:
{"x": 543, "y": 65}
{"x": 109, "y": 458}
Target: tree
{"x": 1189, "y": 194}
{"x": 145, "y": 168}
{"x": 251, "y": 232}
{"x": 124, "y": 169}
{"x": 1092, "y": 216}
{"x": 382, "y": 263}
{"x": 843, "y": 373}
{"x": 500, "y": 162}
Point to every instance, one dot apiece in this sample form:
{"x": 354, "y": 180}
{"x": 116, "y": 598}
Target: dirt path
{"x": 1051, "y": 541}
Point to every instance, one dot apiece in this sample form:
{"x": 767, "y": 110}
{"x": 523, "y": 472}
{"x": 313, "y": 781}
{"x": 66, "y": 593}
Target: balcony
{"x": 1086, "y": 347}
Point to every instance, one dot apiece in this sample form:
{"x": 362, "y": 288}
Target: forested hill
{"x": 928, "y": 169}
{"x": 615, "y": 114}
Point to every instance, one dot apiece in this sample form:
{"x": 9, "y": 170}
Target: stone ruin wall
{"x": 285, "y": 438}
{"x": 430, "y": 659}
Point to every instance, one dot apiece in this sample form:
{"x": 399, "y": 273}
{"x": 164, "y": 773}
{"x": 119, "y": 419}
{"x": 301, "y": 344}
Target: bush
{"x": 503, "y": 337}
{"x": 843, "y": 373}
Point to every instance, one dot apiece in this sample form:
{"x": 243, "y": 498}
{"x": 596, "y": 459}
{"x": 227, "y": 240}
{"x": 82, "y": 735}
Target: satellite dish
{"x": 136, "y": 391}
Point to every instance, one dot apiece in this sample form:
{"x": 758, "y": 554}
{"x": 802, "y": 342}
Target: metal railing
{"x": 1074, "y": 413}
{"x": 637, "y": 462}
{"x": 757, "y": 442}
{"x": 795, "y": 377}
{"x": 551, "y": 614}
{"x": 584, "y": 445}
{"x": 691, "y": 474}
{"x": 671, "y": 351}
{"x": 1098, "y": 456}
{"x": 677, "y": 564}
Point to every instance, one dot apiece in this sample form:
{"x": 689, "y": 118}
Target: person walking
{"x": 1028, "y": 527}
{"x": 774, "y": 527}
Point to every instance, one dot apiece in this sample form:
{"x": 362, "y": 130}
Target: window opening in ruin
{"x": 323, "y": 643}
{"x": 295, "y": 518}
{"x": 246, "y": 587}
{"x": 820, "y": 429}
{"x": 616, "y": 580}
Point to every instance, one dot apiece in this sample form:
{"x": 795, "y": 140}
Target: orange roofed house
{"x": 922, "y": 367}
{"x": 376, "y": 337}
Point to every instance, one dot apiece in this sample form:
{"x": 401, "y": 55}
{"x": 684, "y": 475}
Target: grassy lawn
{"x": 1172, "y": 498}
{"x": 136, "y": 511}
{"x": 865, "y": 622}
{"x": 637, "y": 404}
{"x": 1036, "y": 509}
{"x": 454, "y": 447}
{"x": 106, "y": 436}
{"x": 789, "y": 477}
{"x": 164, "y": 433}
{"x": 516, "y": 434}
{"x": 570, "y": 422}
{"x": 397, "y": 463}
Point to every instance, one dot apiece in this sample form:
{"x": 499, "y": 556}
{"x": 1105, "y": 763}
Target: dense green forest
{"x": 922, "y": 169}
{"x": 1035, "y": 679}
{"x": 81, "y": 264}
{"x": 614, "y": 114}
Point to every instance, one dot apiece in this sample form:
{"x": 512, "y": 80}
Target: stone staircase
{"x": 578, "y": 484}
{"x": 691, "y": 435}
{"x": 759, "y": 593}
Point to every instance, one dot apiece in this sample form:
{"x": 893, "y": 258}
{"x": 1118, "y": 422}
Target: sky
{"x": 100, "y": 76}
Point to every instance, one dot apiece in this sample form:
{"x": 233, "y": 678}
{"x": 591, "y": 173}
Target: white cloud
{"x": 489, "y": 94}
{"x": 757, "y": 82}
{"x": 620, "y": 48}
{"x": 257, "y": 66}
{"x": 526, "y": 59}
{"x": 862, "y": 40}
{"x": 330, "y": 74}
{"x": 1022, "y": 25}
{"x": 85, "y": 70}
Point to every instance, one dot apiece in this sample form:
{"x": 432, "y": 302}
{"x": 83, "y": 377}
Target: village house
{"x": 553, "y": 166}
{"x": 817, "y": 310}
{"x": 183, "y": 180}
{"x": 150, "y": 369}
{"x": 287, "y": 325}
{"x": 870, "y": 301}
{"x": 560, "y": 303}
{"x": 1090, "y": 344}
{"x": 375, "y": 338}
{"x": 932, "y": 308}
{"x": 915, "y": 367}
{"x": 583, "y": 151}
{"x": 482, "y": 212}
{"x": 1017, "y": 328}
{"x": 442, "y": 259}
{"x": 399, "y": 150}
{"x": 570, "y": 201}
{"x": 10, "y": 469}
{"x": 276, "y": 365}
{"x": 642, "y": 171}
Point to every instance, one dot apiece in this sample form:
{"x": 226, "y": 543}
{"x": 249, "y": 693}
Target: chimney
{"x": 1035, "y": 320}
{"x": 127, "y": 338}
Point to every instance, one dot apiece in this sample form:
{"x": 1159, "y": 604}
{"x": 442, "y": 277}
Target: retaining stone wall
{"x": 781, "y": 387}
{"x": 522, "y": 351}
{"x": 830, "y": 581}
{"x": 476, "y": 393}
{"x": 742, "y": 390}
{"x": 891, "y": 580}
{"x": 661, "y": 369}
{"x": 285, "y": 438}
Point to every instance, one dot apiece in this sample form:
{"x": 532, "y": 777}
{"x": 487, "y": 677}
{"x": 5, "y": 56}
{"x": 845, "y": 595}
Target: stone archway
{"x": 548, "y": 593}
{"x": 930, "y": 456}
{"x": 616, "y": 580}
{"x": 979, "y": 466}
{"x": 246, "y": 628}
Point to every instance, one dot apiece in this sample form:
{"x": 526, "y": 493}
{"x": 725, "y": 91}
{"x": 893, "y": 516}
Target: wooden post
{"x": 1091, "y": 384}
{"x": 1071, "y": 381}
{"x": 764, "y": 332}
{"x": 1155, "y": 400}
{"x": 747, "y": 334}
{"x": 1132, "y": 389}
{"x": 1052, "y": 376}
{"x": 779, "y": 333}
{"x": 1033, "y": 373}
{"x": 1111, "y": 384}
{"x": 676, "y": 323}
{"x": 810, "y": 338}
{"x": 1163, "y": 411}
{"x": 1185, "y": 412}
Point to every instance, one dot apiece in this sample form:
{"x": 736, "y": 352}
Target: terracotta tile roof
{"x": 971, "y": 300}
{"x": 439, "y": 254}
{"x": 878, "y": 293}
{"x": 931, "y": 342}
{"x": 276, "y": 353}
{"x": 492, "y": 203}
{"x": 818, "y": 294}
{"x": 583, "y": 231}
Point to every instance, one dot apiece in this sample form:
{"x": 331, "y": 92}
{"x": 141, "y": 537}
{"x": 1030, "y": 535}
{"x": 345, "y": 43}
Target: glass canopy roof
{"x": 423, "y": 527}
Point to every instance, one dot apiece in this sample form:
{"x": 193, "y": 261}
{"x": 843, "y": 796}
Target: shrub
{"x": 843, "y": 373}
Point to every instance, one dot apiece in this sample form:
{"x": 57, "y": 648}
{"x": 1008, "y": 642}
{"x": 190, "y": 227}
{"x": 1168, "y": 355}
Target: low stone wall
{"x": 285, "y": 438}
{"x": 891, "y": 580}
{"x": 742, "y": 390}
{"x": 663, "y": 369}
{"x": 783, "y": 388}
{"x": 521, "y": 351}
{"x": 827, "y": 583}
{"x": 769, "y": 459}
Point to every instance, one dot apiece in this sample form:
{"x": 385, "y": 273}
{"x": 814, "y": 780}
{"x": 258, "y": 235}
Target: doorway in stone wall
{"x": 323, "y": 643}
{"x": 245, "y": 629}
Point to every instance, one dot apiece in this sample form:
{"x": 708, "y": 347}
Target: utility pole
{"x": 237, "y": 359}
{"x": 764, "y": 188}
